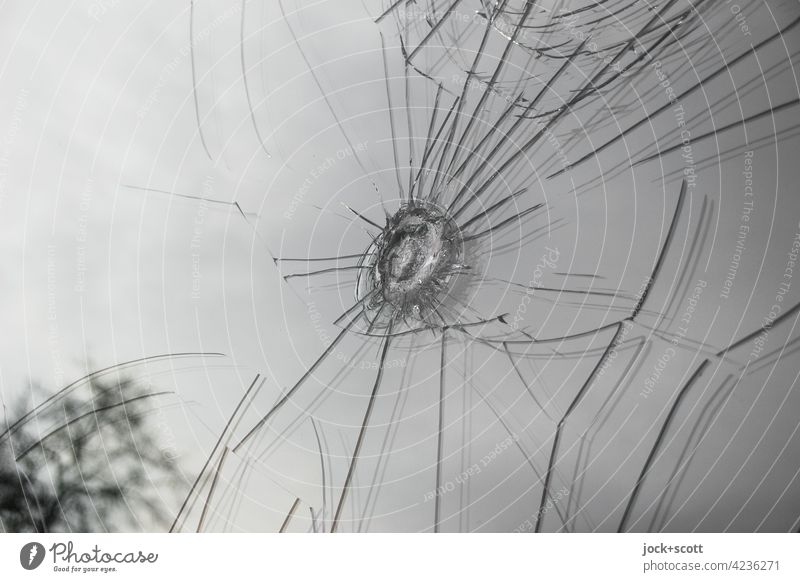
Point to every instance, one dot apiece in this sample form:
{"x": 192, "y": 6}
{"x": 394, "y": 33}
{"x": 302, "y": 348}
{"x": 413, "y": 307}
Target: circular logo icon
{"x": 31, "y": 555}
